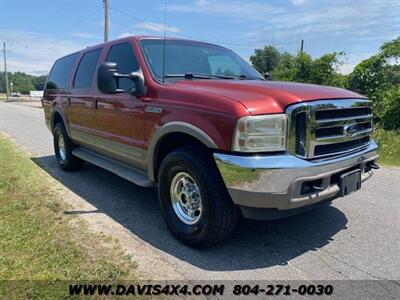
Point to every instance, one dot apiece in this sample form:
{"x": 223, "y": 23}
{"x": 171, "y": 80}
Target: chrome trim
{"x": 312, "y": 124}
{"x": 338, "y": 120}
{"x": 61, "y": 148}
{"x": 333, "y": 139}
{"x": 275, "y": 181}
{"x": 186, "y": 198}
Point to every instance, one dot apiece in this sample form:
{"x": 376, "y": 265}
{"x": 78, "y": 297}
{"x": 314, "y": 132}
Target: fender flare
{"x": 61, "y": 113}
{"x": 175, "y": 127}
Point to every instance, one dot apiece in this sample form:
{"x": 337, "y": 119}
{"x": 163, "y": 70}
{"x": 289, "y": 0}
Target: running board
{"x": 127, "y": 172}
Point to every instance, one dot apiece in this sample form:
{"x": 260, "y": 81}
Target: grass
{"x": 389, "y": 146}
{"x": 39, "y": 244}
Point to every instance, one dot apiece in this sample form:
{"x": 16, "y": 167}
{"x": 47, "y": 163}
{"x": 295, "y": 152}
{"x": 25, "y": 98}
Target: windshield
{"x": 195, "y": 58}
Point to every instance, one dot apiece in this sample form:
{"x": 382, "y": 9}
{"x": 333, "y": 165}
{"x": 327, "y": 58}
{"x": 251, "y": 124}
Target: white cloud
{"x": 156, "y": 27}
{"x": 357, "y": 27}
{"x": 145, "y": 28}
{"x": 35, "y": 53}
{"x": 318, "y": 19}
{"x": 353, "y": 60}
{"x": 299, "y": 2}
{"x": 235, "y": 10}
{"x": 347, "y": 68}
{"x": 124, "y": 34}
{"x": 86, "y": 35}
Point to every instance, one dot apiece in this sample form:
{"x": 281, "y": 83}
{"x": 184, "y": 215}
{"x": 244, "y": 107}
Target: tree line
{"x": 22, "y": 82}
{"x": 377, "y": 77}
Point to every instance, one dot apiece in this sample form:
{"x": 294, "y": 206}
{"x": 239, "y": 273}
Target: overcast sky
{"x": 39, "y": 31}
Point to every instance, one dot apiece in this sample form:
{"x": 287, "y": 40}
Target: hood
{"x": 262, "y": 97}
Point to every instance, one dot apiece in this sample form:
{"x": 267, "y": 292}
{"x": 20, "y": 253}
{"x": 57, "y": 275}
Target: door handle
{"x": 146, "y": 99}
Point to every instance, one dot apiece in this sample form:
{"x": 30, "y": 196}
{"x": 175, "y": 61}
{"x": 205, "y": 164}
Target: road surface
{"x": 357, "y": 237}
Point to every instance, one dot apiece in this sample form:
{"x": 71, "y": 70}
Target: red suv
{"x": 199, "y": 122}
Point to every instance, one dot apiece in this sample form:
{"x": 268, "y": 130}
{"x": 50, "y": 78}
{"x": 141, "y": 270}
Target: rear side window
{"x": 123, "y": 55}
{"x": 87, "y": 66}
{"x": 59, "y": 74}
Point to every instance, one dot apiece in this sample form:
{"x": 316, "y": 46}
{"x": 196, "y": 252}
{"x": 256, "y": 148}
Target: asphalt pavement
{"x": 357, "y": 237}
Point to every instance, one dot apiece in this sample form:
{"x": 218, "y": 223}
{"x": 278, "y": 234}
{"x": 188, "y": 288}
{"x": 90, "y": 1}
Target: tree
{"x": 39, "y": 82}
{"x": 266, "y": 59}
{"x": 22, "y": 82}
{"x": 302, "y": 68}
{"x": 378, "y": 77}
{"x": 285, "y": 70}
{"x": 324, "y": 70}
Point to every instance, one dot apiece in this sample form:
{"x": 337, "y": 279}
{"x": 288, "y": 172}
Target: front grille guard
{"x": 350, "y": 118}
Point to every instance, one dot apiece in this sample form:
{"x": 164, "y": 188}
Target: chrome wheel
{"x": 61, "y": 147}
{"x": 186, "y": 198}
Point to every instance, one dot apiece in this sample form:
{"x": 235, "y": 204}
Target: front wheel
{"x": 194, "y": 201}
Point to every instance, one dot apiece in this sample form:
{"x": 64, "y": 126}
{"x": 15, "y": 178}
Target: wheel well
{"x": 169, "y": 143}
{"x": 57, "y": 119}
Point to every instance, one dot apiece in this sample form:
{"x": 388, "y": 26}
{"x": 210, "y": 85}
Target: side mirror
{"x": 138, "y": 78}
{"x": 267, "y": 76}
{"x": 108, "y": 80}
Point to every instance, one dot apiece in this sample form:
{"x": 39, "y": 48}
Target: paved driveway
{"x": 358, "y": 237}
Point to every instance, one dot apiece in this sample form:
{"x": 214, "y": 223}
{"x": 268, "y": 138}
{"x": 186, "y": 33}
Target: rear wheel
{"x": 194, "y": 201}
{"x": 63, "y": 150}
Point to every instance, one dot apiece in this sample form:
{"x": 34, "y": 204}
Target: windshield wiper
{"x": 188, "y": 76}
{"x": 222, "y": 76}
{"x": 244, "y": 77}
{"x": 200, "y": 76}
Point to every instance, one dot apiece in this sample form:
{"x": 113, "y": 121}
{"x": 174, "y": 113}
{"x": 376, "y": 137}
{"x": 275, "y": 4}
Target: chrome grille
{"x": 329, "y": 127}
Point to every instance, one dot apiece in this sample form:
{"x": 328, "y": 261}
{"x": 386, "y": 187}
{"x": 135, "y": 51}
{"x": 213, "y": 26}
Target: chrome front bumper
{"x": 276, "y": 181}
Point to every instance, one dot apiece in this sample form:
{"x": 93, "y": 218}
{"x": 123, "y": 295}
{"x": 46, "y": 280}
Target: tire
{"x": 65, "y": 159}
{"x": 217, "y": 217}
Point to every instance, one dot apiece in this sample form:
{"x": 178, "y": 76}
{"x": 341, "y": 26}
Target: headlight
{"x": 260, "y": 133}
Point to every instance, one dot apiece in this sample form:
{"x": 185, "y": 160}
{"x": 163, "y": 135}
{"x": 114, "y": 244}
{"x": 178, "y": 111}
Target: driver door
{"x": 118, "y": 119}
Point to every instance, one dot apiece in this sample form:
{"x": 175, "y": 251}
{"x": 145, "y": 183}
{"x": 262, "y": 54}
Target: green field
{"x": 42, "y": 245}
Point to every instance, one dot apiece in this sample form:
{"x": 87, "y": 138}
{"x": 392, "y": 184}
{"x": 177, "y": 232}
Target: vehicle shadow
{"x": 256, "y": 244}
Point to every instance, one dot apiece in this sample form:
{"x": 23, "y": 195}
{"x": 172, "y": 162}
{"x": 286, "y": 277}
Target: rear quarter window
{"x": 60, "y": 73}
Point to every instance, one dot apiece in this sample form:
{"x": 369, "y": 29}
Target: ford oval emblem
{"x": 350, "y": 129}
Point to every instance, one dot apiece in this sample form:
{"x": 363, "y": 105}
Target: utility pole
{"x": 5, "y": 71}
{"x": 302, "y": 46}
{"x": 106, "y": 8}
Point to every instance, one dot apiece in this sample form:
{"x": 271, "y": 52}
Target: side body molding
{"x": 175, "y": 127}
